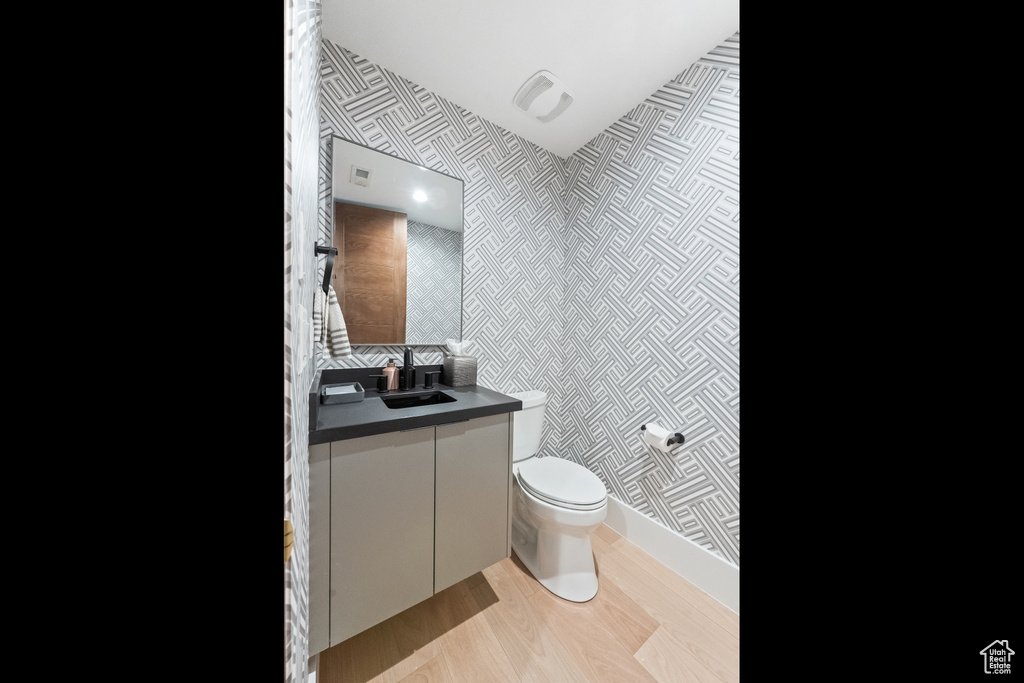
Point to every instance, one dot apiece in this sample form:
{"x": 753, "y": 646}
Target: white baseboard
{"x": 709, "y": 572}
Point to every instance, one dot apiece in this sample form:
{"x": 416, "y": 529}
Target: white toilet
{"x": 556, "y": 504}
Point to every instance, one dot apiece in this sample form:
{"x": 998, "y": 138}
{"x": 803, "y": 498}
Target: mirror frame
{"x": 462, "y": 257}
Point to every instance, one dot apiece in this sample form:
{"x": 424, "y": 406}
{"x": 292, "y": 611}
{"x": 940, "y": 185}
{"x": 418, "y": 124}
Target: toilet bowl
{"x": 556, "y": 504}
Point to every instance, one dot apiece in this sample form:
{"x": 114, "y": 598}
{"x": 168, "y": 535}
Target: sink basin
{"x": 416, "y": 400}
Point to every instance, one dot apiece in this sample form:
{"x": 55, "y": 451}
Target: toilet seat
{"x": 562, "y": 483}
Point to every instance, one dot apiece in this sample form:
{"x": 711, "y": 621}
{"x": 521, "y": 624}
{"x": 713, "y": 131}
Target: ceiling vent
{"x": 544, "y": 96}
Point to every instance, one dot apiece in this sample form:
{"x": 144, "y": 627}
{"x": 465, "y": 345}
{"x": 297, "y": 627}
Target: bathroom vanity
{"x": 404, "y": 501}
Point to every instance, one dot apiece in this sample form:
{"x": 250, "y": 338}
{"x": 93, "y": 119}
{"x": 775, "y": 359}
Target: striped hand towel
{"x": 329, "y": 325}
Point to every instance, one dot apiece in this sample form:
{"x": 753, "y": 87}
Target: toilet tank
{"x": 528, "y": 424}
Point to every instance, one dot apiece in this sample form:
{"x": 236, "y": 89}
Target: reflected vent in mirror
{"x": 360, "y": 176}
{"x": 543, "y": 96}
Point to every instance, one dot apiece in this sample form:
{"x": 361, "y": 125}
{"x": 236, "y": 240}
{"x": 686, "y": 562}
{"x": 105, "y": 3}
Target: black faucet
{"x": 409, "y": 371}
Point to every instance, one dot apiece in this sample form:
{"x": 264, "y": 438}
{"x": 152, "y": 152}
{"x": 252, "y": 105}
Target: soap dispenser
{"x": 391, "y": 371}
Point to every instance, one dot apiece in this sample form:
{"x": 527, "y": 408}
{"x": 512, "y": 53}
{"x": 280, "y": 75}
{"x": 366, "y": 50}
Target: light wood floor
{"x": 645, "y": 624}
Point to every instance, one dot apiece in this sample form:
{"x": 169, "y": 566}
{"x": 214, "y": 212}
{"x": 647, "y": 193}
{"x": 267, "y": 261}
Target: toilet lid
{"x": 562, "y": 482}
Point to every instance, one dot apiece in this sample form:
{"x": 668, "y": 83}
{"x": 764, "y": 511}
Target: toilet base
{"x": 559, "y": 556}
{"x": 568, "y": 572}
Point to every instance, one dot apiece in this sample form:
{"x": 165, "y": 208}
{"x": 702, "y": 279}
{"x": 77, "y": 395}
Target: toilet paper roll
{"x": 657, "y": 436}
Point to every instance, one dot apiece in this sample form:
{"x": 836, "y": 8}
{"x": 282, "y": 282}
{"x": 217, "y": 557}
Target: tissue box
{"x": 459, "y": 371}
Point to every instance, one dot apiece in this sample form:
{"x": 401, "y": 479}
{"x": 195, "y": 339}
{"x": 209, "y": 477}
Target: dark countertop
{"x": 339, "y": 421}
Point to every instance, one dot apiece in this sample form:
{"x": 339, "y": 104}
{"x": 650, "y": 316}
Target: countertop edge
{"x": 404, "y": 424}
{"x": 486, "y": 401}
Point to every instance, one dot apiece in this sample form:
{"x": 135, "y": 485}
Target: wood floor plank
{"x": 669, "y": 661}
{"x": 700, "y": 600}
{"x": 705, "y": 640}
{"x": 601, "y": 545}
{"x": 595, "y": 650}
{"x": 696, "y": 649}
{"x": 356, "y": 660}
{"x": 535, "y": 653}
{"x": 408, "y": 640}
{"x": 434, "y": 671}
{"x": 629, "y": 623}
{"x": 468, "y": 644}
{"x": 515, "y": 568}
{"x": 606, "y": 534}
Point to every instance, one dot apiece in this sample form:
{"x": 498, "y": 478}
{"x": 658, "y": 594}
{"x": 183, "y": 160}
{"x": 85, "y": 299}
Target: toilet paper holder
{"x": 675, "y": 439}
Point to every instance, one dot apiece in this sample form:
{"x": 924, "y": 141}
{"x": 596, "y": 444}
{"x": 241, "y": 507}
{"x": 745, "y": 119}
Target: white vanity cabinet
{"x": 382, "y": 528}
{"x": 472, "y": 517}
{"x": 397, "y": 517}
{"x": 319, "y": 546}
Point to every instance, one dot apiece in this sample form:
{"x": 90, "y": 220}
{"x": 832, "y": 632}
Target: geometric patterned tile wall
{"x": 513, "y": 219}
{"x": 434, "y": 294}
{"x": 652, "y": 289}
{"x": 609, "y": 280}
{"x": 301, "y": 135}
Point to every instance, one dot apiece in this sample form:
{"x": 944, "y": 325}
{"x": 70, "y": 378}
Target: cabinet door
{"x": 382, "y": 528}
{"x": 471, "y": 505}
{"x": 319, "y": 546}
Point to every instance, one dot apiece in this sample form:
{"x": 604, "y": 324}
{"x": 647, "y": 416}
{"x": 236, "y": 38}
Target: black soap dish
{"x": 347, "y": 392}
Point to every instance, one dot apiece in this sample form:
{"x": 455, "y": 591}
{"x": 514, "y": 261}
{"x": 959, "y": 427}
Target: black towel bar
{"x": 331, "y": 253}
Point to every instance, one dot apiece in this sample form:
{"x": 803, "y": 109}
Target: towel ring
{"x": 331, "y": 253}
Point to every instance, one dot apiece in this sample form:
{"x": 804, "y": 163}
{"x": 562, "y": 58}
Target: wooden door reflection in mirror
{"x": 370, "y": 272}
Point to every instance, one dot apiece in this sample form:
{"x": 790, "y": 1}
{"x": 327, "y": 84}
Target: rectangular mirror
{"x": 398, "y": 229}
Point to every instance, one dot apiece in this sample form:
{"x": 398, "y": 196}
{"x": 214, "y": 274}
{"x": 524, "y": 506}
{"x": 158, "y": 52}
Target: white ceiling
{"x": 476, "y": 54}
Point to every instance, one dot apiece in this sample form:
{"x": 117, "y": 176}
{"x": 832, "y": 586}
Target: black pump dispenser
{"x": 409, "y": 371}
